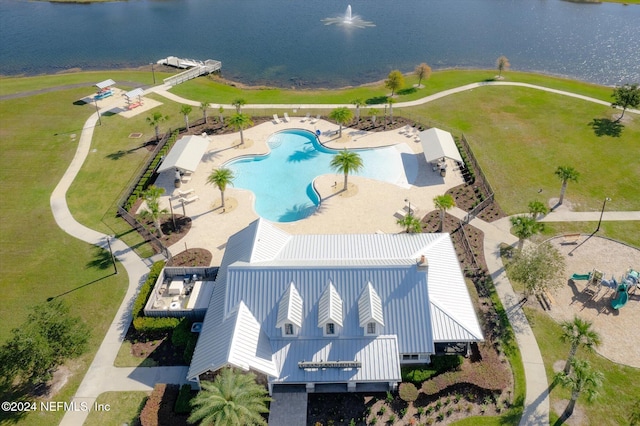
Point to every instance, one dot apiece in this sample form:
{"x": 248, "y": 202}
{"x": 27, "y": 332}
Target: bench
{"x": 570, "y": 238}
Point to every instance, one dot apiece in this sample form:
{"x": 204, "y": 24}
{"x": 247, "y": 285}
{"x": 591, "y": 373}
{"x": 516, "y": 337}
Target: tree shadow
{"x": 101, "y": 259}
{"x": 606, "y": 127}
{"x": 407, "y": 91}
{"x": 376, "y": 100}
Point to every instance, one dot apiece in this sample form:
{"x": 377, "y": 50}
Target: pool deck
{"x": 367, "y": 207}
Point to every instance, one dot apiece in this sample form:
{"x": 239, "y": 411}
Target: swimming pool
{"x": 282, "y": 181}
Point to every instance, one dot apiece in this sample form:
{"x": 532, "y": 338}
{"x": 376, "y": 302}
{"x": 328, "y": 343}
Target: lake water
{"x": 285, "y": 43}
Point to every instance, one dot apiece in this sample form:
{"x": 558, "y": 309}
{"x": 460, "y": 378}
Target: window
{"x": 409, "y": 357}
{"x": 288, "y": 329}
{"x": 371, "y": 328}
{"x": 330, "y": 328}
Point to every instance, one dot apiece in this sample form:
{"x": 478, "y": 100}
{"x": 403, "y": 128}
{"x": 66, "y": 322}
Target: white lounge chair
{"x": 276, "y": 119}
{"x": 305, "y": 118}
{"x": 190, "y": 198}
{"x": 286, "y": 117}
{"x": 315, "y": 120}
{"x": 405, "y": 129}
{"x": 185, "y": 192}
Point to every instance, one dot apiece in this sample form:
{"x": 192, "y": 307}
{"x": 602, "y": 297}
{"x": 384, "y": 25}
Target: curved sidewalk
{"x": 102, "y": 376}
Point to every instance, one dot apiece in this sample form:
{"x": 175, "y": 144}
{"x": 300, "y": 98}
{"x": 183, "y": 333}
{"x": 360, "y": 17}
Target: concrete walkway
{"x": 102, "y": 376}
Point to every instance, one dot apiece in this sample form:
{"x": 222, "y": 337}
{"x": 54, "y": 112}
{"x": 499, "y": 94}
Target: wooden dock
{"x": 199, "y": 68}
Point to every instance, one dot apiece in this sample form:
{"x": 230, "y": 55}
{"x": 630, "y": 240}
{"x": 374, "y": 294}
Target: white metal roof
{"x": 370, "y": 307}
{"x": 437, "y": 144}
{"x": 290, "y": 307}
{"x": 330, "y": 306}
{"x": 185, "y": 154}
{"x": 105, "y": 83}
{"x": 134, "y": 93}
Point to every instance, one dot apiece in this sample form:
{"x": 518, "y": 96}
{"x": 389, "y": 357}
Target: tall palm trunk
{"x": 241, "y": 137}
{"x": 222, "y": 196}
{"x": 158, "y": 227}
{"x": 345, "y": 181}
{"x": 563, "y": 189}
{"x": 572, "y": 353}
{"x": 157, "y": 133}
{"x": 441, "y": 220}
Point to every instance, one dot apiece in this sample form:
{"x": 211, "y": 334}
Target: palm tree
{"x": 220, "y": 116}
{"x": 240, "y": 121}
{"x": 342, "y": 115}
{"x": 411, "y": 224}
{"x": 503, "y": 64}
{"x": 525, "y": 227}
{"x": 394, "y": 81}
{"x": 154, "y": 120}
{"x": 582, "y": 379}
{"x": 443, "y": 203}
{"x": 204, "y": 106}
{"x": 578, "y": 333}
{"x": 221, "y": 178}
{"x": 238, "y": 103}
{"x": 373, "y": 113}
{"x": 423, "y": 71}
{"x": 186, "y": 110}
{"x": 233, "y": 398}
{"x": 566, "y": 174}
{"x": 346, "y": 162}
{"x": 537, "y": 208}
{"x": 153, "y": 210}
{"x": 391, "y": 101}
{"x": 358, "y": 103}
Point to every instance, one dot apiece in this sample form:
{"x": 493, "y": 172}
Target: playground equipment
{"x": 593, "y": 285}
{"x": 581, "y": 277}
{"x": 622, "y": 297}
{"x": 632, "y": 279}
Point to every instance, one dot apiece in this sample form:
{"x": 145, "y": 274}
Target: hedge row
{"x": 463, "y": 154}
{"x": 439, "y": 364}
{"x": 145, "y": 180}
{"x": 150, "y": 324}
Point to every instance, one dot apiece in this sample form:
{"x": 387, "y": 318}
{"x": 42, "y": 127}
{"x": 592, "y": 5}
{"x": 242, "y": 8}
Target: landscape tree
{"x": 342, "y": 116}
{"x": 240, "y": 121}
{"x": 154, "y": 120}
{"x": 578, "y": 333}
{"x": 394, "y": 81}
{"x": 443, "y": 203}
{"x": 410, "y": 223}
{"x": 204, "y": 106}
{"x": 627, "y": 96}
{"x": 358, "y": 103}
{"x": 346, "y": 162}
{"x": 391, "y": 101}
{"x": 221, "y": 178}
{"x": 502, "y": 63}
{"x": 220, "y": 116}
{"x": 537, "y": 208}
{"x": 423, "y": 71}
{"x": 49, "y": 337}
{"x": 233, "y": 398}
{"x": 566, "y": 174}
{"x": 239, "y": 103}
{"x": 582, "y": 378}
{"x": 186, "y": 110}
{"x": 153, "y": 211}
{"x": 538, "y": 268}
{"x": 525, "y": 227}
{"x": 373, "y": 114}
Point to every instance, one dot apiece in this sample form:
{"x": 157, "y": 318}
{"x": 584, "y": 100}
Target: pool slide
{"x": 622, "y": 298}
{"x": 581, "y": 277}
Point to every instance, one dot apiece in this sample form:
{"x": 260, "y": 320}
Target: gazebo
{"x": 438, "y": 145}
{"x": 185, "y": 154}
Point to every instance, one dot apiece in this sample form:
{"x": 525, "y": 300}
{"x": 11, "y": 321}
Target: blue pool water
{"x": 282, "y": 181}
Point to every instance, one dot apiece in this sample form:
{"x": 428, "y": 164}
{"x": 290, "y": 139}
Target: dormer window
{"x": 288, "y": 329}
{"x": 330, "y": 329}
{"x": 371, "y": 328}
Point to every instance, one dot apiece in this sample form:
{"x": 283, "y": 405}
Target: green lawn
{"x": 123, "y": 408}
{"x": 627, "y": 232}
{"x": 520, "y": 136}
{"x": 621, "y": 385}
{"x": 38, "y": 259}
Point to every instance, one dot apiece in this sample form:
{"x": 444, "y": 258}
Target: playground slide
{"x": 622, "y": 298}
{"x": 580, "y": 277}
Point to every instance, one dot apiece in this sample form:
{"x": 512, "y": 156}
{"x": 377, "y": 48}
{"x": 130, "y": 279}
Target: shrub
{"x": 373, "y": 421}
{"x": 408, "y": 392}
{"x": 392, "y": 418}
{"x": 183, "y": 402}
{"x": 153, "y": 325}
{"x": 416, "y": 375}
{"x": 182, "y": 333}
{"x": 382, "y": 410}
{"x": 189, "y": 348}
{"x": 389, "y": 397}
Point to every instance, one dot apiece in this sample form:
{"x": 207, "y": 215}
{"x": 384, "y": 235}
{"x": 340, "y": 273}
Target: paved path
{"x": 102, "y": 376}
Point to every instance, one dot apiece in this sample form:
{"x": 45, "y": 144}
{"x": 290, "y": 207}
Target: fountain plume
{"x": 348, "y": 20}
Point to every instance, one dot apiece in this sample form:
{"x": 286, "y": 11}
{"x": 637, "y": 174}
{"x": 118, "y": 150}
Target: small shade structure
{"x": 185, "y": 154}
{"x": 438, "y": 144}
{"x": 105, "y": 84}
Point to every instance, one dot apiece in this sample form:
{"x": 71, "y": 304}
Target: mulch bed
{"x": 156, "y": 347}
{"x": 192, "y": 257}
{"x": 171, "y": 235}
